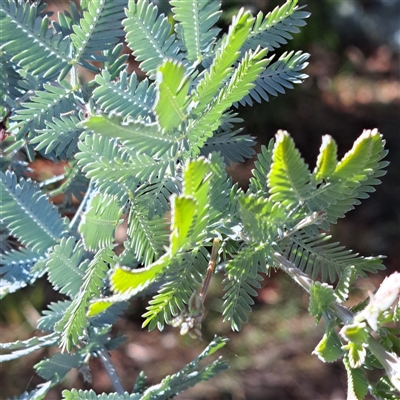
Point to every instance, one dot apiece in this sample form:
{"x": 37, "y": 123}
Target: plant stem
{"x": 343, "y": 313}
{"x": 210, "y": 269}
{"x": 112, "y": 373}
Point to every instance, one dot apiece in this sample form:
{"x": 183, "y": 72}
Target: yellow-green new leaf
{"x": 173, "y": 87}
{"x": 327, "y": 159}
{"x": 99, "y": 222}
{"x": 329, "y": 348}
{"x": 354, "y": 161}
{"x": 184, "y": 210}
{"x": 132, "y": 281}
{"x": 289, "y": 177}
{"x": 227, "y": 54}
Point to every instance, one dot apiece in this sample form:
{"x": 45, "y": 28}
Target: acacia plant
{"x": 153, "y": 152}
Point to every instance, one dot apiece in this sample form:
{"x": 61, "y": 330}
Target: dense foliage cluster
{"x": 152, "y": 152}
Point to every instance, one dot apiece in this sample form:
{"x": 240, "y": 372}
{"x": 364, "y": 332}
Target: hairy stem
{"x": 111, "y": 371}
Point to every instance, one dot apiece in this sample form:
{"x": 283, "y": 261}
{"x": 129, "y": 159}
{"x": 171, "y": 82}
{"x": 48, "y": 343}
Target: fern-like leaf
{"x": 74, "y": 322}
{"x": 226, "y": 55}
{"x": 315, "y": 256}
{"x": 99, "y": 222}
{"x": 46, "y": 104}
{"x": 23, "y": 347}
{"x": 10, "y": 87}
{"x": 258, "y": 182}
{"x": 60, "y": 136}
{"x": 183, "y": 279}
{"x": 276, "y": 27}
{"x": 15, "y": 270}
{"x": 149, "y": 36}
{"x": 119, "y": 165}
{"x": 66, "y": 268}
{"x": 146, "y": 237}
{"x": 278, "y": 77}
{"x": 99, "y": 30}
{"x": 50, "y": 317}
{"x": 239, "y": 85}
{"x": 352, "y": 179}
{"x": 289, "y": 177}
{"x": 139, "y": 136}
{"x": 233, "y": 147}
{"x": 58, "y": 365}
{"x": 240, "y": 284}
{"x": 196, "y": 18}
{"x": 173, "y": 87}
{"x": 29, "y": 40}
{"x": 126, "y": 97}
{"x": 157, "y": 195}
{"x": 25, "y": 195}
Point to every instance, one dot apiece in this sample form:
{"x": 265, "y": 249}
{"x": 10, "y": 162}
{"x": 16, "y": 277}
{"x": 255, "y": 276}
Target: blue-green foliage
{"x": 146, "y": 159}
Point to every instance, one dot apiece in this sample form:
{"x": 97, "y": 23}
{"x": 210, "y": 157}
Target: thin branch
{"x": 210, "y": 269}
{"x": 111, "y": 371}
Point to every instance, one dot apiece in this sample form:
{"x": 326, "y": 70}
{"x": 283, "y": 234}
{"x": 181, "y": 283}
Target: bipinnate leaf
{"x": 327, "y": 159}
{"x": 173, "y": 87}
{"x": 100, "y": 221}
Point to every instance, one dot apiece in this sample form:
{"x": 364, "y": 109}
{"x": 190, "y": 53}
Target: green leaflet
{"x": 321, "y": 297}
{"x": 138, "y": 136}
{"x": 99, "y": 29}
{"x": 261, "y": 217}
{"x": 289, "y": 177}
{"x": 195, "y": 18}
{"x": 25, "y": 195}
{"x": 226, "y": 55}
{"x": 149, "y": 36}
{"x": 327, "y": 159}
{"x": 57, "y": 366}
{"x": 173, "y": 87}
{"x": 329, "y": 348}
{"x": 128, "y": 97}
{"x": 29, "y": 40}
{"x": 99, "y": 222}
{"x": 21, "y": 348}
{"x": 65, "y": 267}
{"x": 184, "y": 210}
{"x": 147, "y": 237}
{"x": 74, "y": 322}
{"x": 132, "y": 281}
{"x": 357, "y": 384}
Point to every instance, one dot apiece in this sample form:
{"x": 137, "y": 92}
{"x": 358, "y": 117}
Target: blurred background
{"x": 353, "y": 84}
